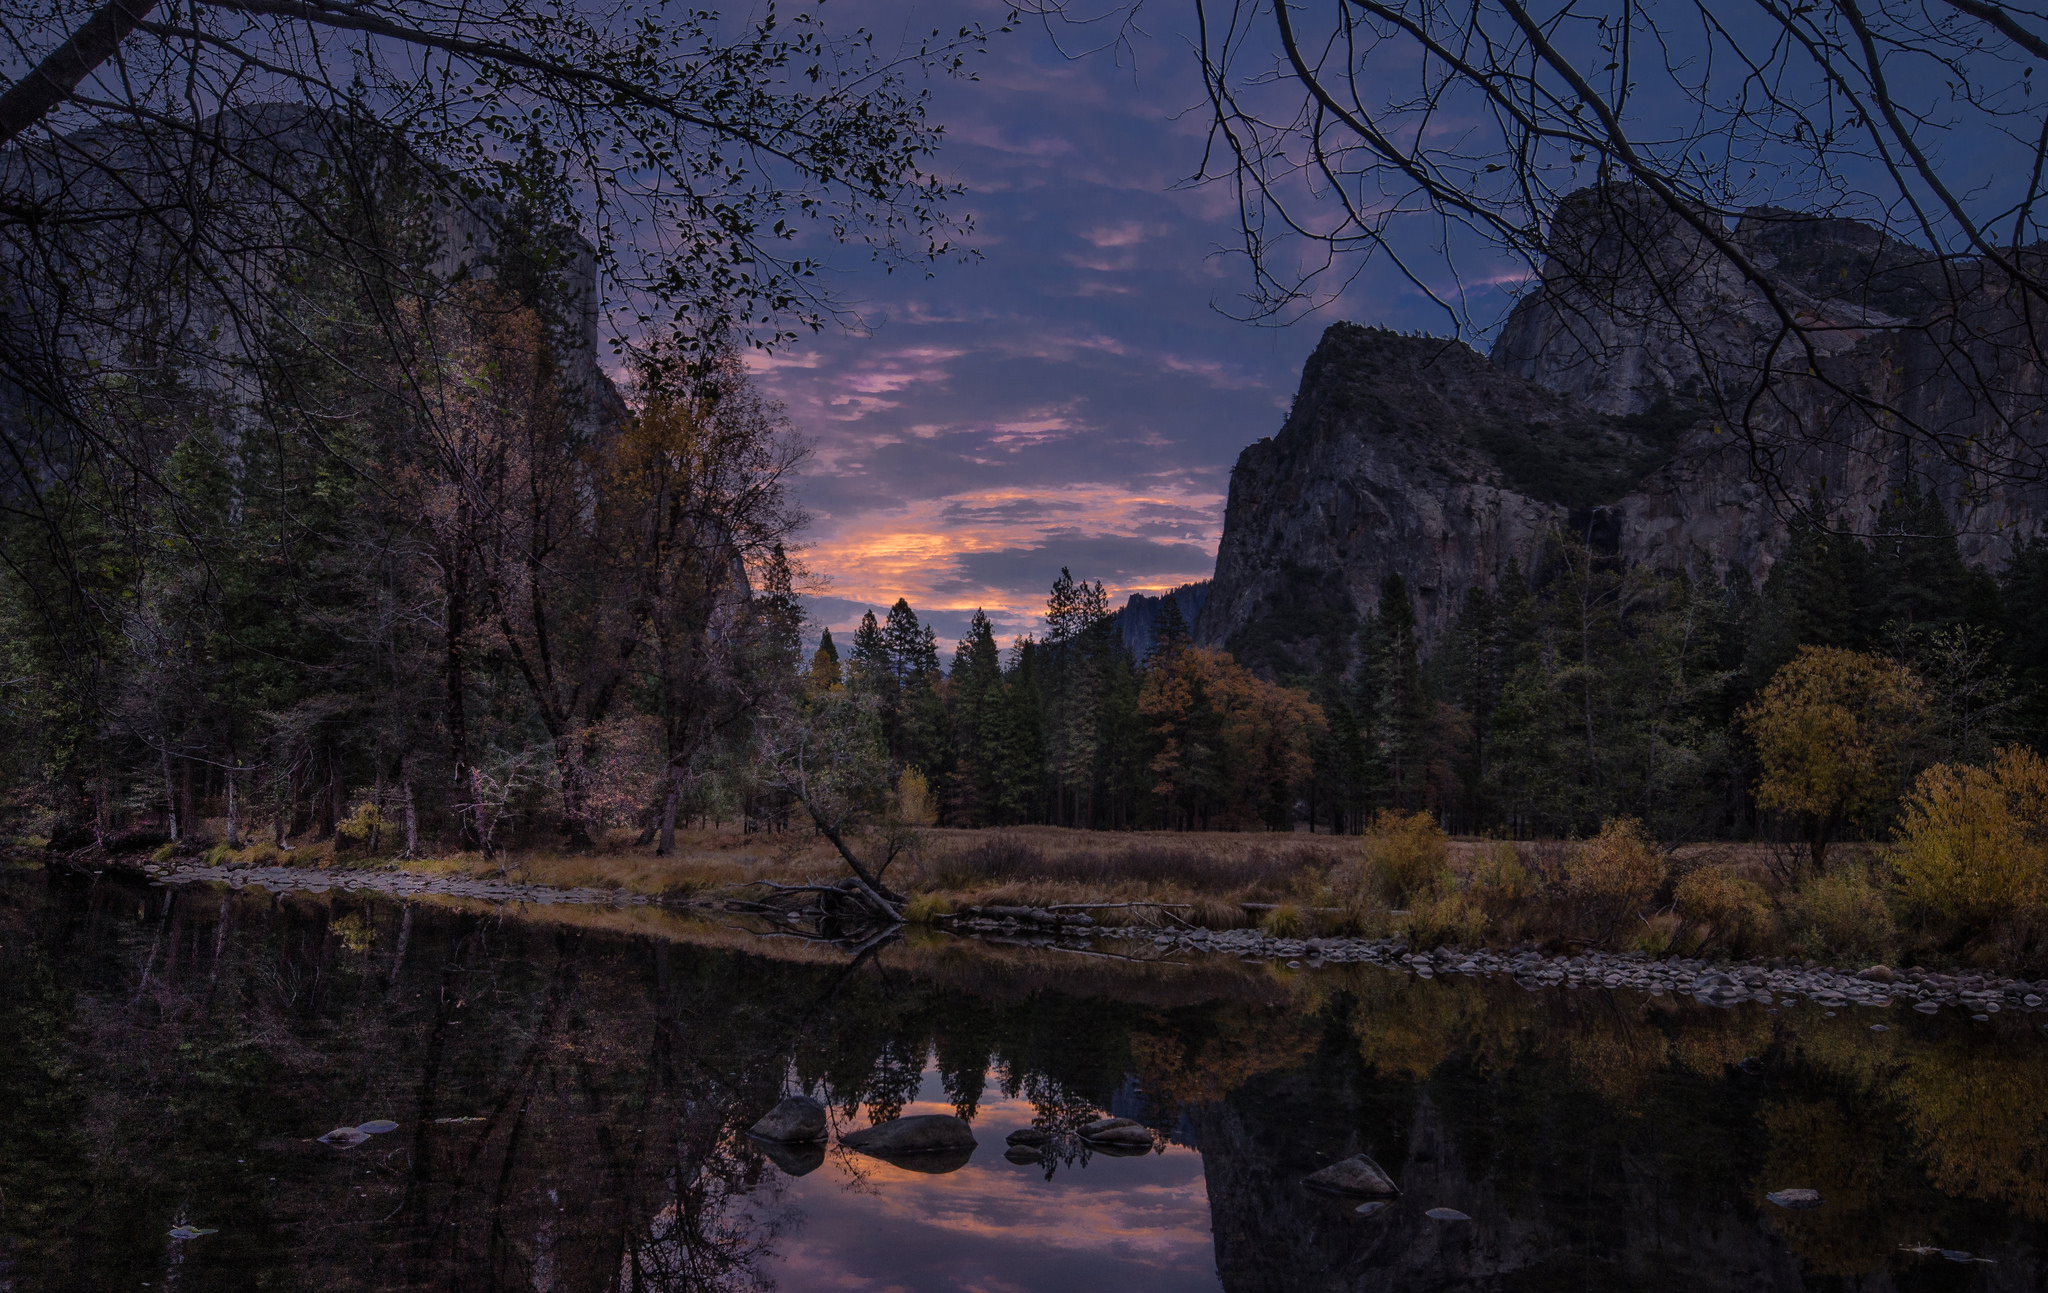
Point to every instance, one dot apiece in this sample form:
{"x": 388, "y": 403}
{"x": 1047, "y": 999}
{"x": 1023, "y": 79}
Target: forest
{"x": 1577, "y": 691}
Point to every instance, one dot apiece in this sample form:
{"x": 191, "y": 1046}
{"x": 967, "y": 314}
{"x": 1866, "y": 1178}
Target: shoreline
{"x": 1716, "y": 983}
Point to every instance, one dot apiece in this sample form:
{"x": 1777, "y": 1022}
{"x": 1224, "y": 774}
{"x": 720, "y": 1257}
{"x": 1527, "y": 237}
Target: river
{"x": 570, "y": 1091}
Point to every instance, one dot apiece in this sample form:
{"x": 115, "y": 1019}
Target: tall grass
{"x": 1006, "y": 859}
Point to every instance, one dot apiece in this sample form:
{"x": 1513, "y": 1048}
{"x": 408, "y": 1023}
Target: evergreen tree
{"x": 872, "y": 666}
{"x": 825, "y": 673}
{"x": 1917, "y": 575}
{"x": 1393, "y": 706}
{"x": 1023, "y": 765}
{"x": 2025, "y": 643}
{"x": 1169, "y": 633}
{"x": 1818, "y": 594}
{"x": 980, "y": 725}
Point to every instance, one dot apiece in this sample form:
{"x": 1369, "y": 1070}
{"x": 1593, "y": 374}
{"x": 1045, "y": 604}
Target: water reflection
{"x": 572, "y": 1103}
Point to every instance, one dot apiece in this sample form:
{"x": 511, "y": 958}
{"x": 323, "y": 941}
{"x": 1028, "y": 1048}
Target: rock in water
{"x": 1357, "y": 1174}
{"x": 1373, "y": 1208}
{"x": 1446, "y": 1214}
{"x": 345, "y": 1137}
{"x": 1797, "y": 1200}
{"x": 1128, "y": 1133}
{"x": 796, "y": 1121}
{"x": 376, "y": 1126}
{"x": 1028, "y": 1135}
{"x": 924, "y": 1133}
{"x": 1022, "y": 1154}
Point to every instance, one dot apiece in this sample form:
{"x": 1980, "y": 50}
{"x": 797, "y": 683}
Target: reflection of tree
{"x": 1838, "y": 1146}
{"x": 717, "y": 1231}
{"x": 1982, "y": 1121}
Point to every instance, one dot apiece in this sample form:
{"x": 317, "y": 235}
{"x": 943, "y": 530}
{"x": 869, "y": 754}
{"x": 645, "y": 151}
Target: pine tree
{"x": 1393, "y": 705}
{"x": 872, "y": 666}
{"x": 1917, "y": 575}
{"x": 1818, "y": 594}
{"x": 825, "y": 674}
{"x": 979, "y": 724}
{"x": 1023, "y": 762}
{"x": 1169, "y": 633}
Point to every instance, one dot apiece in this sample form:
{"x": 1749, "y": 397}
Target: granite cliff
{"x": 1603, "y": 412}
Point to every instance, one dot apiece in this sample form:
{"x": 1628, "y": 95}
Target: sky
{"x": 1076, "y": 396}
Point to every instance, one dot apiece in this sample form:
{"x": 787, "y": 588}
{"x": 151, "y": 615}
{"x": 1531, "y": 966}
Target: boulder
{"x": 1358, "y": 1175}
{"x": 797, "y": 1120}
{"x": 1028, "y": 1136}
{"x": 1877, "y": 974}
{"x": 924, "y": 1133}
{"x": 1023, "y": 1154}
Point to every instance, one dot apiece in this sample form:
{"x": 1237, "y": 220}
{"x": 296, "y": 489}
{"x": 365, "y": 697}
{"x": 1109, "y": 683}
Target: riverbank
{"x": 1723, "y": 983}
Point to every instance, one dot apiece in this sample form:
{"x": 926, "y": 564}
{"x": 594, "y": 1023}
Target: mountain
{"x": 1596, "y": 415}
{"x": 1136, "y": 618}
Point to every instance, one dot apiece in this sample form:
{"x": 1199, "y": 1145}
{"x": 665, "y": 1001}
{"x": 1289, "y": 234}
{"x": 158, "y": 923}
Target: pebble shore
{"x": 1715, "y": 983}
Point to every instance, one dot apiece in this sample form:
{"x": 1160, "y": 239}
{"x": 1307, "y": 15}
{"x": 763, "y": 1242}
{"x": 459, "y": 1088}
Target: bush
{"x": 1841, "y": 917}
{"x": 1612, "y": 877}
{"x": 924, "y": 908}
{"x": 1407, "y": 854}
{"x": 1656, "y": 935}
{"x": 1730, "y": 913}
{"x": 1446, "y": 915}
{"x": 1284, "y": 921}
{"x": 1973, "y": 842}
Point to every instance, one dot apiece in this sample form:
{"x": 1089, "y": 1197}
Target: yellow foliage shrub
{"x": 1499, "y": 880}
{"x": 1446, "y": 915}
{"x": 1841, "y": 917}
{"x": 1734, "y": 912}
{"x": 1613, "y": 876}
{"x": 1973, "y": 842}
{"x": 914, "y": 803}
{"x": 1407, "y": 853}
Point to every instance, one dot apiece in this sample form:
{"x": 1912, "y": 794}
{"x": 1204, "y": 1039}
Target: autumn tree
{"x": 1833, "y": 732}
{"x": 1231, "y": 750}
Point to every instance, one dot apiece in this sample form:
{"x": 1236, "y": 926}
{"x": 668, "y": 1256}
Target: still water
{"x": 570, "y": 1094}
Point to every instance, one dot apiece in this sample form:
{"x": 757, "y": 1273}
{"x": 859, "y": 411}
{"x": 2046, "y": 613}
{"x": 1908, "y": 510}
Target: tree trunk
{"x": 412, "y": 822}
{"x": 170, "y": 794}
{"x": 668, "y": 817}
{"x": 234, "y": 833}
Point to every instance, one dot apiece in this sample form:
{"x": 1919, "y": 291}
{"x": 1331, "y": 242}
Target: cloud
{"x": 1072, "y": 397}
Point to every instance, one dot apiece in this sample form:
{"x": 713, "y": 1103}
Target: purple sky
{"x": 1074, "y": 397}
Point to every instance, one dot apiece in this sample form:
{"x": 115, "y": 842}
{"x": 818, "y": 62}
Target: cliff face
{"x": 1603, "y": 412}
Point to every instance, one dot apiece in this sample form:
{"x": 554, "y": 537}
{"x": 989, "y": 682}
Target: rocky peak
{"x": 1595, "y": 416}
